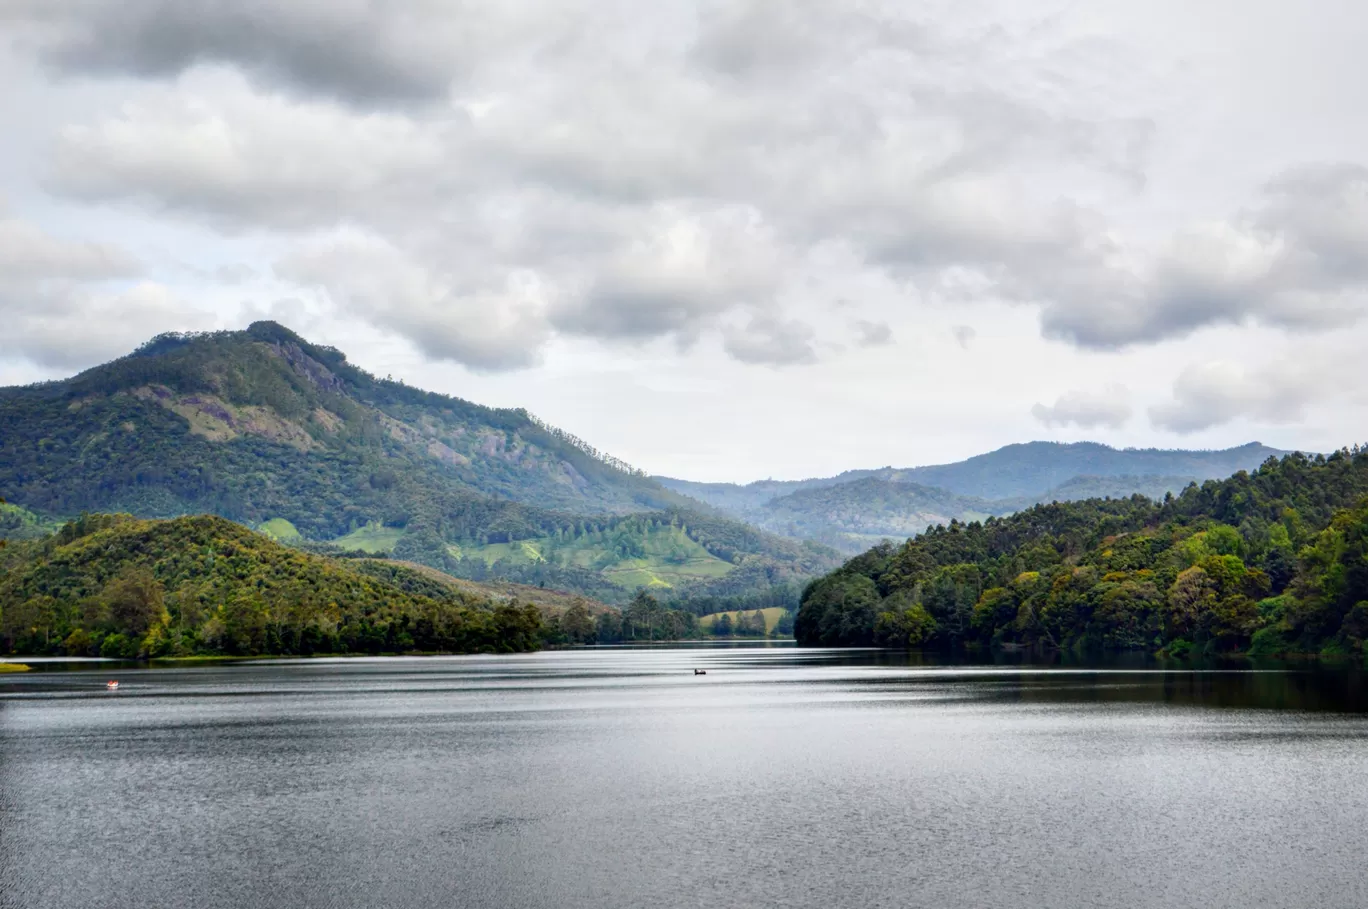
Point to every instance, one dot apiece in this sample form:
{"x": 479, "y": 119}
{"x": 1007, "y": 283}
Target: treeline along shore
{"x": 1268, "y": 563}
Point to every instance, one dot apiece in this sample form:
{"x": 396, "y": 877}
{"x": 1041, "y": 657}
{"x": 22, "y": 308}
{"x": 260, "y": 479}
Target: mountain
{"x": 1030, "y": 469}
{"x": 1111, "y": 487}
{"x": 264, "y": 428}
{"x": 855, "y": 515}
{"x": 858, "y": 507}
{"x": 1269, "y": 562}
{"x": 182, "y": 424}
{"x": 118, "y": 586}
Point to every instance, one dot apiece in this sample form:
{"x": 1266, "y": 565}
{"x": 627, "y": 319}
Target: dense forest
{"x": 1268, "y": 563}
{"x": 117, "y": 586}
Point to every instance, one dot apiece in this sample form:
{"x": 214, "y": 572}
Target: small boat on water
{"x": 112, "y": 685}
{"x": 700, "y": 672}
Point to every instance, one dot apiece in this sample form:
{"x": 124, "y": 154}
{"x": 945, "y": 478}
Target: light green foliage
{"x": 372, "y": 537}
{"x": 280, "y": 530}
{"x": 644, "y": 551}
{"x": 18, "y": 523}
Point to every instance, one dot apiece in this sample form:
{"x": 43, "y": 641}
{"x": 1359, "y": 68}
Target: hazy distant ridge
{"x": 856, "y": 508}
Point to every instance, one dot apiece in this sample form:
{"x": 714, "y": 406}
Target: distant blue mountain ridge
{"x": 858, "y": 507}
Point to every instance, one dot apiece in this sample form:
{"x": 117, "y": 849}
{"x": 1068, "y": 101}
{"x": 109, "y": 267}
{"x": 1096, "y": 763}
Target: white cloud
{"x": 682, "y": 273}
{"x": 486, "y": 328}
{"x": 250, "y": 161}
{"x": 68, "y": 303}
{"x": 872, "y": 334}
{"x": 27, "y": 253}
{"x": 771, "y": 342}
{"x": 75, "y": 327}
{"x": 655, "y": 181}
{"x": 1297, "y": 259}
{"x": 1217, "y": 392}
{"x": 1088, "y": 409}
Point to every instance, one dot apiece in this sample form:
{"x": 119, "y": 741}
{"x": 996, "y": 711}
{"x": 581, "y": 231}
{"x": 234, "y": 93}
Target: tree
{"x": 134, "y": 602}
{"x": 578, "y": 625}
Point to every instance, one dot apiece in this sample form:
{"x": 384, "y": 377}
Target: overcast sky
{"x": 720, "y": 240}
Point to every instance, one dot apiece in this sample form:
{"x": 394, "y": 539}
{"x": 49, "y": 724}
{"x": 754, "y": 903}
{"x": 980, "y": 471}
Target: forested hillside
{"x": 861, "y": 513}
{"x": 263, "y": 428}
{"x": 117, "y": 586}
{"x": 1270, "y": 562}
{"x": 259, "y": 424}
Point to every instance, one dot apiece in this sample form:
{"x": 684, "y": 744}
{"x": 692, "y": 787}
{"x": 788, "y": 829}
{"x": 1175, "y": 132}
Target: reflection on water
{"x": 617, "y": 777}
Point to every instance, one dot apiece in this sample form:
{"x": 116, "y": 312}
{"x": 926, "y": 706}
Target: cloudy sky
{"x": 723, "y": 240}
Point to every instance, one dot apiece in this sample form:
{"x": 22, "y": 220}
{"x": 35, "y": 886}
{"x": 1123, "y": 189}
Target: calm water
{"x": 616, "y": 778}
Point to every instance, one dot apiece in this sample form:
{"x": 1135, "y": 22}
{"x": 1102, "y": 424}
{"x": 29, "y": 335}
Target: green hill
{"x": 1269, "y": 562}
{"x": 114, "y": 585}
{"x": 263, "y": 428}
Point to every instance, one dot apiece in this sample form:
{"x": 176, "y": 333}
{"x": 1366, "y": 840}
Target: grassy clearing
{"x": 280, "y": 530}
{"x": 659, "y": 557}
{"x": 772, "y": 616}
{"x": 374, "y": 537}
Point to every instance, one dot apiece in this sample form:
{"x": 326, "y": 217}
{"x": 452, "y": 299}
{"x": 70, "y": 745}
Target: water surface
{"x": 618, "y": 778}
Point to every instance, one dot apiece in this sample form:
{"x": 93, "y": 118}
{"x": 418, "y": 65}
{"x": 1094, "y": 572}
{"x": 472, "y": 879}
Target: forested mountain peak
{"x": 268, "y": 386}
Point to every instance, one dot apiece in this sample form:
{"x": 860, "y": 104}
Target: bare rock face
{"x": 314, "y": 372}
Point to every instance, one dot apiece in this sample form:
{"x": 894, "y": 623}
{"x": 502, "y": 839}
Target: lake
{"x": 618, "y": 778}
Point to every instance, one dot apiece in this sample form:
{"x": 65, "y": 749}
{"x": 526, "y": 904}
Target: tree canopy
{"x": 114, "y": 585}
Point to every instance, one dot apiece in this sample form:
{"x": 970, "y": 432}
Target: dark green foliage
{"x": 1275, "y": 560}
{"x": 119, "y": 586}
{"x": 783, "y": 594}
{"x": 643, "y": 620}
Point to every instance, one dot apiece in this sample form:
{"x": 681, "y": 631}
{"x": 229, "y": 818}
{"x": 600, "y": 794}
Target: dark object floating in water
{"x": 700, "y": 672}
{"x": 112, "y": 686}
